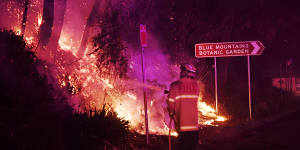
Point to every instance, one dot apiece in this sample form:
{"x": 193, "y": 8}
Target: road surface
{"x": 281, "y": 134}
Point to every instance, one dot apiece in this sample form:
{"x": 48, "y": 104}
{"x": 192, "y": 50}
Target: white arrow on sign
{"x": 258, "y": 47}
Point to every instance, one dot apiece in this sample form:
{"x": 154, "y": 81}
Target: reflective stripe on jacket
{"x": 182, "y": 101}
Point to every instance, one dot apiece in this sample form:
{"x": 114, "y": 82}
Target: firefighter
{"x": 182, "y": 104}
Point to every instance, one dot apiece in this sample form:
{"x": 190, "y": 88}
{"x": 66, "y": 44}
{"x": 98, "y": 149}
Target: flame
{"x": 107, "y": 84}
{"x": 66, "y": 43}
{"x": 17, "y": 31}
{"x": 29, "y": 40}
{"x": 40, "y": 19}
{"x": 63, "y": 44}
{"x": 208, "y": 112}
{"x": 220, "y": 118}
{"x": 34, "y": 19}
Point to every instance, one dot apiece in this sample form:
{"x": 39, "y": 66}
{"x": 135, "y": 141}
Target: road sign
{"x": 143, "y": 35}
{"x": 143, "y": 39}
{"x": 224, "y": 49}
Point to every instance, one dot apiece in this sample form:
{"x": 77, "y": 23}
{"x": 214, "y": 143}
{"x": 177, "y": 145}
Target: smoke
{"x": 77, "y": 12}
{"x": 160, "y": 72}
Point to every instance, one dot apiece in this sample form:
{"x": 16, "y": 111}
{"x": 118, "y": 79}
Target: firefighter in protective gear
{"x": 182, "y": 103}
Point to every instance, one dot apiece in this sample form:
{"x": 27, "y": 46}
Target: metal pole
{"x": 170, "y": 144}
{"x": 145, "y": 99}
{"x": 249, "y": 87}
{"x": 216, "y": 84}
{"x": 280, "y": 81}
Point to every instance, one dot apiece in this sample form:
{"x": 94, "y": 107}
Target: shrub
{"x": 102, "y": 128}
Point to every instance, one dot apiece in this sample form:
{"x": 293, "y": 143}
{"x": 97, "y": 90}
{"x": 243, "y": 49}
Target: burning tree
{"x": 45, "y": 30}
{"x": 109, "y": 45}
{"x": 24, "y": 16}
{"x": 60, "y": 9}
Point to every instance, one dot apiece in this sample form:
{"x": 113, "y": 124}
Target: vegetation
{"x": 102, "y": 128}
{"x": 109, "y": 45}
{"x": 34, "y": 115}
{"x": 31, "y": 116}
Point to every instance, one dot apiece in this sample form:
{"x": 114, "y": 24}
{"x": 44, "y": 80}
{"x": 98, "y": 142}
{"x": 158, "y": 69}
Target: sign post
{"x": 216, "y": 83}
{"x": 143, "y": 39}
{"x": 249, "y": 87}
{"x": 225, "y": 49}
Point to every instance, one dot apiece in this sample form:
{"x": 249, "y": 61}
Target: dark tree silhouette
{"x": 26, "y": 3}
{"x": 45, "y": 30}
{"x": 60, "y": 8}
{"x": 109, "y": 46}
{"x": 32, "y": 115}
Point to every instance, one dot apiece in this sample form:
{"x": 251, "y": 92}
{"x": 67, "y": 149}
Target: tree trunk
{"x": 89, "y": 23}
{"x": 45, "y": 30}
{"x": 60, "y": 9}
{"x": 26, "y": 3}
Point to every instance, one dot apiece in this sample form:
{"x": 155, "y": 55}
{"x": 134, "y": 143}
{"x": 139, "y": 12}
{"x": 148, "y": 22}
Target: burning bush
{"x": 110, "y": 48}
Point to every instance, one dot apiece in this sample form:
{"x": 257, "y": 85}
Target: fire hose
{"x": 171, "y": 118}
{"x": 170, "y": 123}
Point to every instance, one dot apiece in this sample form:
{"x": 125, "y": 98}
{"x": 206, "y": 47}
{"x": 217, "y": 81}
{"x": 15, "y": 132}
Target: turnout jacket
{"x": 182, "y": 103}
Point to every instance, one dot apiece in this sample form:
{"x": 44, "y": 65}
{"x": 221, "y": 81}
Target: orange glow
{"x": 63, "y": 44}
{"x": 40, "y": 19}
{"x": 66, "y": 43}
{"x": 209, "y": 112}
{"x": 29, "y": 40}
{"x": 17, "y": 31}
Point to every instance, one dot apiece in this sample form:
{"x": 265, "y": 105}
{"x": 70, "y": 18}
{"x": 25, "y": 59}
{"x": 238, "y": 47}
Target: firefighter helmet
{"x": 188, "y": 70}
{"x": 188, "y": 67}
